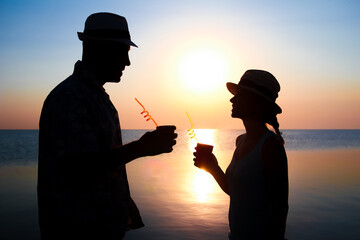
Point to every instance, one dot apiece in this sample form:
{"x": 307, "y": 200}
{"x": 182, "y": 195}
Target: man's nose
{"x": 127, "y": 61}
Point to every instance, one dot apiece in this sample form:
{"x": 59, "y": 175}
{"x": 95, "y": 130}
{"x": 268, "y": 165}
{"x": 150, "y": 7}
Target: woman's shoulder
{"x": 273, "y": 140}
{"x": 240, "y": 138}
{"x": 273, "y": 149}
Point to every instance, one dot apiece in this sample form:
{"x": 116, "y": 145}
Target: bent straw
{"x": 191, "y": 130}
{"x": 147, "y": 115}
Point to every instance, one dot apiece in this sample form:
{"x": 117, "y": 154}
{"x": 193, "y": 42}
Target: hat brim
{"x": 84, "y": 37}
{"x": 233, "y": 89}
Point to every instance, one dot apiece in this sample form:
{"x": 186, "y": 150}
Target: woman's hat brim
{"x": 233, "y": 89}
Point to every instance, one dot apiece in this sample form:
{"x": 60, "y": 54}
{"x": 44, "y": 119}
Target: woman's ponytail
{"x": 273, "y": 121}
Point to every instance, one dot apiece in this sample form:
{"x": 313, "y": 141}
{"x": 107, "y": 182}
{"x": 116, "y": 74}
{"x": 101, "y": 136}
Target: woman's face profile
{"x": 246, "y": 105}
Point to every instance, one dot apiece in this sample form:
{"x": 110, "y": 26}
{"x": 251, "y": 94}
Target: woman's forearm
{"x": 220, "y": 178}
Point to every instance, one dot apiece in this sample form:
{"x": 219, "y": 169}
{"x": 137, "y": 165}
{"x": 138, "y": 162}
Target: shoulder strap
{"x": 239, "y": 139}
{"x": 264, "y": 137}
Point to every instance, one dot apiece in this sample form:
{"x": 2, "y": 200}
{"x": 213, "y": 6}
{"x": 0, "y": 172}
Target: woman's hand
{"x": 205, "y": 161}
{"x": 209, "y": 163}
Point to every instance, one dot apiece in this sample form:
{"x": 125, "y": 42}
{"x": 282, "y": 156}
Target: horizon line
{"x": 36, "y": 129}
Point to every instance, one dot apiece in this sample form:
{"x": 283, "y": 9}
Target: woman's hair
{"x": 271, "y": 119}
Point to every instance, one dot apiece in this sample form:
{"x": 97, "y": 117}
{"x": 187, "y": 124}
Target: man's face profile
{"x": 115, "y": 59}
{"x": 110, "y": 59}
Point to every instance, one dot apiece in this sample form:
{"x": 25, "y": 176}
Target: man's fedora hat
{"x": 105, "y": 26}
{"x": 260, "y": 82}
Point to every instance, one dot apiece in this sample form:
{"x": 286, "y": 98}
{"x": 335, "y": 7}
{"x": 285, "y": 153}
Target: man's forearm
{"x": 98, "y": 162}
{"x": 126, "y": 153}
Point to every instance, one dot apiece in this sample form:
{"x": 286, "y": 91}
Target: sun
{"x": 203, "y": 70}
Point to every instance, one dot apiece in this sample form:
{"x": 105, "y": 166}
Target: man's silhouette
{"x": 83, "y": 191}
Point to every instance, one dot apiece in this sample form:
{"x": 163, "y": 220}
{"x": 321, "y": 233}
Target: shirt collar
{"x": 85, "y": 74}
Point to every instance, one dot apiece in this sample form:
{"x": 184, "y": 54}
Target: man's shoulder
{"x": 66, "y": 87}
{"x": 70, "y": 88}
{"x": 63, "y": 96}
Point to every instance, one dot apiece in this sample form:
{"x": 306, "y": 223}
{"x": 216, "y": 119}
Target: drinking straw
{"x": 191, "y": 130}
{"x": 147, "y": 115}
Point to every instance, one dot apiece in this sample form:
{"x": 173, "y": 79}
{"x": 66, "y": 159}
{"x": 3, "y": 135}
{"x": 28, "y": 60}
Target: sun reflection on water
{"x": 203, "y": 184}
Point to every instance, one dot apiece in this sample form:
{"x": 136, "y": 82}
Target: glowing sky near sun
{"x": 187, "y": 51}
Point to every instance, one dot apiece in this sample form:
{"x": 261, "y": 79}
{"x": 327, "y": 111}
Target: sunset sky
{"x": 187, "y": 52}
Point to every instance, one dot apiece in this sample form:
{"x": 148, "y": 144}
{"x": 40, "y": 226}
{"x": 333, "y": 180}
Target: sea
{"x": 180, "y": 201}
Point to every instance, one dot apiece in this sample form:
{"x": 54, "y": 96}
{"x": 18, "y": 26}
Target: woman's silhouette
{"x": 257, "y": 178}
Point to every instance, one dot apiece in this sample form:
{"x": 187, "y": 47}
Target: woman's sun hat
{"x": 260, "y": 82}
{"x": 105, "y": 26}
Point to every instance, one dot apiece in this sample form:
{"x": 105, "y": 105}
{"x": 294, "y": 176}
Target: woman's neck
{"x": 254, "y": 129}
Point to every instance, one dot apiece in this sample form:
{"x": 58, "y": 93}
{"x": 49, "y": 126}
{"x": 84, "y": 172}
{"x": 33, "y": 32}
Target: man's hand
{"x": 159, "y": 141}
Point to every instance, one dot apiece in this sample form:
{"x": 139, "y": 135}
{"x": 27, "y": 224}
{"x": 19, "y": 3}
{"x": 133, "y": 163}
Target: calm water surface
{"x": 179, "y": 201}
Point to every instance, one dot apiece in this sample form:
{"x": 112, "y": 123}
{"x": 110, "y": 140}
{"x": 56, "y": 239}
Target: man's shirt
{"x": 78, "y": 195}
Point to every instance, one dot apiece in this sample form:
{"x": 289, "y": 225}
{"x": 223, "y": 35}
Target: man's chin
{"x": 114, "y": 79}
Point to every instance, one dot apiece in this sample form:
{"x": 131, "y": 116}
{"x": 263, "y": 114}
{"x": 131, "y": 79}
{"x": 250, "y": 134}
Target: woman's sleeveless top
{"x": 247, "y": 213}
